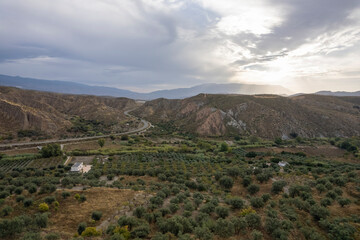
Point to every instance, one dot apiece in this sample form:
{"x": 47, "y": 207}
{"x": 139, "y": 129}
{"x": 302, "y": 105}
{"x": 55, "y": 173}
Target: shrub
{"x": 96, "y": 215}
{"x": 41, "y": 220}
{"x": 65, "y": 194}
{"x": 31, "y": 236}
{"x": 257, "y": 202}
{"x": 47, "y": 188}
{"x": 266, "y": 197}
{"x": 139, "y": 212}
{"x": 140, "y": 231}
{"x": 256, "y": 235}
{"x": 278, "y": 186}
{"x": 43, "y": 207}
{"x": 174, "y": 207}
{"x": 188, "y": 207}
{"x": 18, "y": 190}
{"x": 20, "y": 198}
{"x": 326, "y": 202}
{"x": 6, "y": 210}
{"x": 253, "y": 188}
{"x": 222, "y": 212}
{"x": 343, "y": 201}
{"x": 226, "y": 182}
{"x": 319, "y": 212}
{"x": 52, "y": 236}
{"x": 203, "y": 233}
{"x": 247, "y": 211}
{"x": 49, "y": 200}
{"x": 246, "y": 181}
{"x": 90, "y": 231}
{"x": 224, "y": 228}
{"x": 236, "y": 203}
{"x": 28, "y": 202}
{"x": 239, "y": 224}
{"x": 82, "y": 198}
{"x": 253, "y": 220}
{"x": 251, "y": 155}
{"x": 207, "y": 208}
{"x": 77, "y": 196}
{"x": 81, "y": 227}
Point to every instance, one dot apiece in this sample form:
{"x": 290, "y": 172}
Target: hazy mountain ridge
{"x": 267, "y": 116}
{"x": 178, "y": 93}
{"x": 51, "y": 112}
{"x": 339, "y": 93}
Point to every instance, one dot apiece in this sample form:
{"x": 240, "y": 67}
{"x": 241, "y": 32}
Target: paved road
{"x": 144, "y": 127}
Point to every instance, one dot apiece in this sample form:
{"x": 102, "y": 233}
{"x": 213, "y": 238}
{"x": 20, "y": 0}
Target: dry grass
{"x": 71, "y": 212}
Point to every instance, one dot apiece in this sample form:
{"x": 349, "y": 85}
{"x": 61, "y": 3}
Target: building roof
{"x": 77, "y": 164}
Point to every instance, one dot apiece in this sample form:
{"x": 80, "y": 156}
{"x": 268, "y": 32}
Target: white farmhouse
{"x": 77, "y": 167}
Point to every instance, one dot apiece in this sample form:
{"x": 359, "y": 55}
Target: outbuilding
{"x": 77, "y": 167}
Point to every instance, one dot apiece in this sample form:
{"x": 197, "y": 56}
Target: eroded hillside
{"x": 267, "y": 116}
{"x": 52, "y": 113}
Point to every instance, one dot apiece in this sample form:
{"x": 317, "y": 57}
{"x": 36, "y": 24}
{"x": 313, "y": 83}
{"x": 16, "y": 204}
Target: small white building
{"x": 77, "y": 167}
{"x": 283, "y": 163}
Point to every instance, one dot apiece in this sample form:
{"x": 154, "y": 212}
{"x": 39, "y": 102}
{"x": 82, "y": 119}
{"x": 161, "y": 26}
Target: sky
{"x": 147, "y": 45}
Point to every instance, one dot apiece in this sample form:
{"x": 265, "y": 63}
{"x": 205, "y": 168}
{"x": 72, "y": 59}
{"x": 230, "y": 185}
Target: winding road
{"x": 144, "y": 127}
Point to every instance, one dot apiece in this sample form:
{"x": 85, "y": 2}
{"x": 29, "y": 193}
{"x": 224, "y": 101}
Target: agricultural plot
{"x": 46, "y": 162}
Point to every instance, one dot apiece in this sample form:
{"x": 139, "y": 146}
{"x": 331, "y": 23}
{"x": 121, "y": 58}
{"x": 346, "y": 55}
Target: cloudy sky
{"x": 145, "y": 45}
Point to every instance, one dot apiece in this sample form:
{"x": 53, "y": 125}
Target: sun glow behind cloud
{"x": 150, "y": 44}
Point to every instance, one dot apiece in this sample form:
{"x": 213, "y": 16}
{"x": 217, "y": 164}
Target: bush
{"x": 253, "y": 188}
{"x": 253, "y": 220}
{"x": 31, "y": 236}
{"x": 28, "y": 202}
{"x": 65, "y": 194}
{"x": 278, "y": 186}
{"x": 246, "y": 181}
{"x": 82, "y": 198}
{"x": 256, "y": 235}
{"x": 326, "y": 202}
{"x": 90, "y": 231}
{"x": 207, "y": 208}
{"x": 6, "y": 210}
{"x": 50, "y": 199}
{"x": 139, "y": 212}
{"x": 319, "y": 212}
{"x": 236, "y": 203}
{"x": 52, "y": 236}
{"x": 77, "y": 196}
{"x": 81, "y": 227}
{"x": 343, "y": 201}
{"x": 174, "y": 207}
{"x": 20, "y": 198}
{"x": 226, "y": 182}
{"x": 203, "y": 233}
{"x": 96, "y": 215}
{"x": 140, "y": 231}
{"x": 41, "y": 220}
{"x": 257, "y": 202}
{"x": 43, "y": 207}
{"x": 222, "y": 212}
{"x": 239, "y": 224}
{"x": 251, "y": 155}
{"x": 224, "y": 228}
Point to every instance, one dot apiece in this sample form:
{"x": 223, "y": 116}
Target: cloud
{"x": 152, "y": 44}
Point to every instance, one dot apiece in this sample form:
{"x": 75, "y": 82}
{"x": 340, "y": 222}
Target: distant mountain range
{"x": 179, "y": 93}
{"x": 339, "y": 94}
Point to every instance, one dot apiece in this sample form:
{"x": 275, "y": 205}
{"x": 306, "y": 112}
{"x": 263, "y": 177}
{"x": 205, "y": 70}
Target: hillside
{"x": 52, "y": 113}
{"x": 267, "y": 116}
